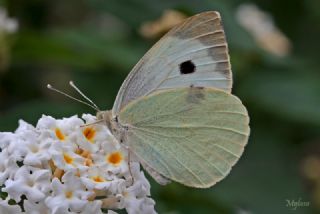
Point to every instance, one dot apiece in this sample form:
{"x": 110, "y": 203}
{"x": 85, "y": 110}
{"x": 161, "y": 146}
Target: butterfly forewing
{"x": 193, "y": 53}
{"x": 191, "y": 135}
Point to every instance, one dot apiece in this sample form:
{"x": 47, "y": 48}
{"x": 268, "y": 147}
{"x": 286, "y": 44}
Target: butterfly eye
{"x": 187, "y": 67}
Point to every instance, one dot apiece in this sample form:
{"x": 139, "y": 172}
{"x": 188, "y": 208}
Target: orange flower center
{"x": 98, "y": 179}
{"x": 115, "y": 158}
{"x": 67, "y": 158}
{"x": 59, "y": 134}
{"x": 69, "y": 194}
{"x": 89, "y": 133}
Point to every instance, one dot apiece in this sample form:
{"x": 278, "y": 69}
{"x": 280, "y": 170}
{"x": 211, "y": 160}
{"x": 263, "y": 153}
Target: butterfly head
{"x": 109, "y": 120}
{"x": 106, "y": 117}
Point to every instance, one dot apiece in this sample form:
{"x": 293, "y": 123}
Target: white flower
{"x": 6, "y": 139}
{"x": 35, "y": 150}
{"x": 5, "y": 208}
{"x": 97, "y": 178}
{"x": 87, "y": 138}
{"x": 88, "y": 118}
{"x": 93, "y": 136}
{"x": 29, "y": 181}
{"x": 65, "y": 157}
{"x": 66, "y": 125}
{"x": 70, "y": 124}
{"x": 35, "y": 208}
{"x": 134, "y": 198}
{"x": 25, "y": 134}
{"x": 71, "y": 194}
{"x": 8, "y": 166}
{"x": 92, "y": 207}
{"x": 113, "y": 158}
{"x": 24, "y": 126}
{"x": 14, "y": 145}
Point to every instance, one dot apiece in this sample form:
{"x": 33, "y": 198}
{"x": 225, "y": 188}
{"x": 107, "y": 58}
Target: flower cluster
{"x": 69, "y": 166}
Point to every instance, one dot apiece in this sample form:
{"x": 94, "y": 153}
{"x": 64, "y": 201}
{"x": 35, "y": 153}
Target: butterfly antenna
{"x": 84, "y": 96}
{"x": 73, "y": 98}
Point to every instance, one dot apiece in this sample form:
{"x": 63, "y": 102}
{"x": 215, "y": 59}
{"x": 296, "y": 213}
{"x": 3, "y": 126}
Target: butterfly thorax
{"x": 111, "y": 121}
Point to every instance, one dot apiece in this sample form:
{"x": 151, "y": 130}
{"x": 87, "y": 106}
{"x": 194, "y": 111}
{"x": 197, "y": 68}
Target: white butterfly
{"x": 175, "y": 112}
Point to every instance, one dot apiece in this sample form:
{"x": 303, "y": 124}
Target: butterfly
{"x": 175, "y": 112}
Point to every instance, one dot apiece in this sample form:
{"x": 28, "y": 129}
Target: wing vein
{"x": 200, "y": 127}
{"x": 199, "y": 23}
{"x": 181, "y": 163}
{"x": 161, "y": 161}
{"x": 228, "y": 151}
{"x": 200, "y": 36}
{"x": 206, "y": 160}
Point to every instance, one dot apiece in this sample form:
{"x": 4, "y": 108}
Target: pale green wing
{"x": 200, "y": 42}
{"x": 190, "y": 135}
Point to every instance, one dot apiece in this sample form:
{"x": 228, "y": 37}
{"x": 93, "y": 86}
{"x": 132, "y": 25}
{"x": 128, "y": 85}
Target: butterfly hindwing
{"x": 191, "y": 135}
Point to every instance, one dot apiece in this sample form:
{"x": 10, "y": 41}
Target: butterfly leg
{"x": 93, "y": 123}
{"x": 129, "y": 164}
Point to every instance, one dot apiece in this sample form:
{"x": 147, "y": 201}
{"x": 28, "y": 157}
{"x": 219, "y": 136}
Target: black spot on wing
{"x": 187, "y": 67}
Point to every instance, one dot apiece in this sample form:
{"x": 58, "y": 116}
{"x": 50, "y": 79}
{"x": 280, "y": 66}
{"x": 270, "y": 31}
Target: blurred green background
{"x": 96, "y": 43}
